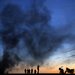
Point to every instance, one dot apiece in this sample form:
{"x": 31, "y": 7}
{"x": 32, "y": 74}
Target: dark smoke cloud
{"x": 33, "y": 27}
{"x": 10, "y": 17}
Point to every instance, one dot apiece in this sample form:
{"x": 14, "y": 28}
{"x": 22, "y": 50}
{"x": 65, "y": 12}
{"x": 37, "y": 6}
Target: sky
{"x": 62, "y": 14}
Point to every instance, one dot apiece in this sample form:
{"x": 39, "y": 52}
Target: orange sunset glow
{"x": 43, "y": 69}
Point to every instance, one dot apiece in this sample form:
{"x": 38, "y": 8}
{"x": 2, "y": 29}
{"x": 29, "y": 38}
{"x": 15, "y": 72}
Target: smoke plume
{"x": 32, "y": 26}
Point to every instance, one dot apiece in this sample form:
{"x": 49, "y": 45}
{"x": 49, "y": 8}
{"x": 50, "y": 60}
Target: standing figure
{"x": 28, "y": 71}
{"x": 31, "y": 71}
{"x": 25, "y": 71}
{"x": 35, "y": 71}
{"x": 38, "y": 69}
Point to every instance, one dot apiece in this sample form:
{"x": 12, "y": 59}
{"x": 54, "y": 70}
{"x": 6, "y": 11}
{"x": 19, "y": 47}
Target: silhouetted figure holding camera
{"x": 61, "y": 71}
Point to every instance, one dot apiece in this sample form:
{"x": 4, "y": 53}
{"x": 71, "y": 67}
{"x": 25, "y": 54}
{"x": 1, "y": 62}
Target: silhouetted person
{"x": 38, "y": 69}
{"x": 28, "y": 71}
{"x": 61, "y": 71}
{"x": 31, "y": 71}
{"x": 34, "y": 71}
{"x": 25, "y": 71}
{"x": 70, "y": 71}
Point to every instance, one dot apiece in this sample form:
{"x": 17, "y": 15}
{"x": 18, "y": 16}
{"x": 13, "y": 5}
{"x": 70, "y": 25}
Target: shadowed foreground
{"x": 45, "y": 74}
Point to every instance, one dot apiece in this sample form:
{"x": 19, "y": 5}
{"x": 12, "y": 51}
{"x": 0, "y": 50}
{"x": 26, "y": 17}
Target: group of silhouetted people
{"x": 68, "y": 70}
{"x": 32, "y": 71}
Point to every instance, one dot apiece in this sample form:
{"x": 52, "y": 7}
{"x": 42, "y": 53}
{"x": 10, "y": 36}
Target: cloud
{"x": 38, "y": 38}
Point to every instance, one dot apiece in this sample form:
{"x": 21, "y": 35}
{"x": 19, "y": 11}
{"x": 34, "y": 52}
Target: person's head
{"x": 59, "y": 68}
